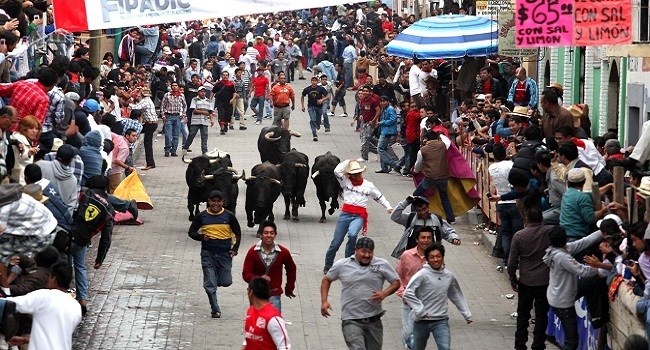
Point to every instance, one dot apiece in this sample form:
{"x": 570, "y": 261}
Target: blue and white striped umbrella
{"x": 449, "y": 36}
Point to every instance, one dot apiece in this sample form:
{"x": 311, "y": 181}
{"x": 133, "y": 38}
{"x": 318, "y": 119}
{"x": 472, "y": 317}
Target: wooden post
{"x": 632, "y": 212}
{"x": 595, "y": 196}
{"x": 619, "y": 190}
{"x": 96, "y": 53}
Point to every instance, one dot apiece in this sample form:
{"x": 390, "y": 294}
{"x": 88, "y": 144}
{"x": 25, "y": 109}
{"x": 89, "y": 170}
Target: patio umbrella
{"x": 449, "y": 36}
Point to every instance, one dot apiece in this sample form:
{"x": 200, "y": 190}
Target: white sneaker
{"x": 343, "y": 115}
{"x": 330, "y": 114}
{"x": 361, "y": 160}
{"x": 258, "y": 123}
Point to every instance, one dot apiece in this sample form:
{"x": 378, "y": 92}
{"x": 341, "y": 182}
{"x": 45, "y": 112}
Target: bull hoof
{"x": 331, "y": 211}
{"x": 322, "y": 220}
{"x": 286, "y": 217}
{"x": 250, "y": 224}
{"x": 295, "y": 218}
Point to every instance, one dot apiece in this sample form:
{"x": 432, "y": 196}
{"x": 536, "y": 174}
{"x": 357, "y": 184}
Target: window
{"x": 644, "y": 23}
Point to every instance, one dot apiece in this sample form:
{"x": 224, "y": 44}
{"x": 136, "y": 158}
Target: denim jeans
{"x": 257, "y": 102}
{"x": 194, "y": 129}
{"x": 184, "y": 130}
{"x": 441, "y": 185}
{"x": 216, "y": 273}
{"x": 569, "y": 321}
{"x": 276, "y": 300}
{"x": 642, "y": 308}
{"x": 385, "y": 161}
{"x": 439, "y": 329}
{"x": 145, "y": 55}
{"x": 77, "y": 258}
{"x": 511, "y": 222}
{"x": 172, "y": 132}
{"x": 326, "y": 118}
{"x": 314, "y": 118}
{"x": 407, "y": 326}
{"x": 529, "y": 296}
{"x": 363, "y": 335}
{"x": 349, "y": 224}
{"x": 349, "y": 81}
{"x": 267, "y": 107}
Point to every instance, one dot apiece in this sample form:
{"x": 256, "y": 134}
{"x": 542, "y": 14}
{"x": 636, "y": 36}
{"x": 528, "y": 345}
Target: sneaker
{"x": 242, "y": 127}
{"x": 343, "y": 115}
{"x": 222, "y": 132}
{"x": 174, "y": 155}
{"x": 361, "y": 160}
{"x": 382, "y": 171}
{"x": 188, "y": 150}
{"x": 166, "y": 154}
{"x": 258, "y": 123}
{"x": 315, "y": 138}
{"x": 330, "y": 114}
{"x": 84, "y": 306}
{"x": 397, "y": 169}
{"x": 301, "y": 78}
{"x": 318, "y": 127}
{"x": 231, "y": 127}
{"x": 328, "y": 130}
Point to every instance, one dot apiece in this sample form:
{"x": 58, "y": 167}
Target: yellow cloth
{"x": 457, "y": 191}
{"x": 132, "y": 188}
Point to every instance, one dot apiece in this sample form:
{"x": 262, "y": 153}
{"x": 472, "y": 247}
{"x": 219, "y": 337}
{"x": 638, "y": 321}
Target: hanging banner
{"x": 542, "y": 23}
{"x": 507, "y": 30}
{"x": 83, "y": 15}
{"x": 491, "y": 8}
{"x": 607, "y": 22}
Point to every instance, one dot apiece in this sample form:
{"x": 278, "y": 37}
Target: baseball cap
{"x": 417, "y": 200}
{"x": 201, "y": 88}
{"x": 613, "y": 217}
{"x": 65, "y": 153}
{"x": 384, "y": 98}
{"x": 216, "y": 193}
{"x": 365, "y": 243}
{"x": 91, "y": 106}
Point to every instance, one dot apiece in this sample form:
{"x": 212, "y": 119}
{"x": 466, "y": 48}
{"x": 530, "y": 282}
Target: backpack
{"x": 90, "y": 217}
{"x": 402, "y": 244}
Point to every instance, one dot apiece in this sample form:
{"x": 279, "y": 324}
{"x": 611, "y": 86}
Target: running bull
{"x": 262, "y": 190}
{"x": 327, "y": 186}
{"x": 274, "y": 142}
{"x": 294, "y": 172}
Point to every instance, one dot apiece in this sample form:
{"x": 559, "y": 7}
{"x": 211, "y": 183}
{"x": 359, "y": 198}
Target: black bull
{"x": 327, "y": 186}
{"x": 262, "y": 190}
{"x": 205, "y": 174}
{"x": 273, "y": 143}
{"x": 294, "y": 172}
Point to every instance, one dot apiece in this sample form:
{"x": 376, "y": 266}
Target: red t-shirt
{"x": 520, "y": 91}
{"x": 387, "y": 25}
{"x": 235, "y": 50}
{"x": 368, "y": 108}
{"x": 257, "y": 331}
{"x": 260, "y": 84}
{"x": 486, "y": 86}
{"x": 412, "y": 126}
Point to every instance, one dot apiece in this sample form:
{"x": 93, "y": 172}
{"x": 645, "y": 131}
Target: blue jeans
{"x": 269, "y": 110}
{"x": 326, "y": 118}
{"x": 439, "y": 329}
{"x": 407, "y": 326}
{"x": 145, "y": 55}
{"x": 184, "y": 130}
{"x": 172, "y": 132}
{"x": 216, "y": 273}
{"x": 349, "y": 81}
{"x": 569, "y": 320}
{"x": 385, "y": 161}
{"x": 347, "y": 223}
{"x": 276, "y": 301}
{"x": 314, "y": 118}
{"x": 441, "y": 185}
{"x": 511, "y": 222}
{"x": 194, "y": 129}
{"x": 77, "y": 258}
{"x": 258, "y": 102}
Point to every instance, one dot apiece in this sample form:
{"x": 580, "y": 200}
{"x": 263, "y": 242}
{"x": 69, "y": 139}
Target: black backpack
{"x": 91, "y": 216}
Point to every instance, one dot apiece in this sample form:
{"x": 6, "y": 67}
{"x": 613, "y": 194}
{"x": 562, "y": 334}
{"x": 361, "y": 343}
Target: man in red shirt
{"x": 259, "y": 93}
{"x": 386, "y": 24}
{"x": 236, "y": 49}
{"x": 264, "y": 328}
{"x": 369, "y": 110}
{"x": 265, "y": 259}
{"x": 261, "y": 47}
{"x": 30, "y": 97}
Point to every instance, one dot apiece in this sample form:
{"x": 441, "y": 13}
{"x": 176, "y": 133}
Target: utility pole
{"x": 416, "y": 9}
{"x": 96, "y": 51}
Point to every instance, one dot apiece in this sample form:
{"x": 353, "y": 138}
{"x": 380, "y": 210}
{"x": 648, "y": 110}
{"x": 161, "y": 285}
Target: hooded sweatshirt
{"x": 63, "y": 178}
{"x": 91, "y": 155}
{"x": 563, "y": 284}
{"x": 427, "y": 294}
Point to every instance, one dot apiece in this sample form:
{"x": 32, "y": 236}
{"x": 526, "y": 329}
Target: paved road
{"x": 148, "y": 294}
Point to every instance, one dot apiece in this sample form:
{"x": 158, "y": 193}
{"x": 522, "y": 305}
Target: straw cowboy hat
{"x": 355, "y": 168}
{"x": 56, "y": 144}
{"x": 519, "y": 111}
{"x": 576, "y": 113}
{"x": 557, "y": 86}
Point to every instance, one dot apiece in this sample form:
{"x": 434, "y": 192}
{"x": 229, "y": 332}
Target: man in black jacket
{"x": 7, "y": 119}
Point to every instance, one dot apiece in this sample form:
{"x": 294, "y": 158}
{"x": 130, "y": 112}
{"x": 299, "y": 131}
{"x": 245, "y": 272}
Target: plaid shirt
{"x": 131, "y": 124}
{"x": 149, "y": 110}
{"x": 28, "y": 97}
{"x": 55, "y": 112}
{"x": 173, "y": 104}
{"x": 26, "y": 217}
{"x": 77, "y": 167}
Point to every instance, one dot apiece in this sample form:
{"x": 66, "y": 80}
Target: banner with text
{"x": 82, "y": 15}
{"x": 507, "y": 45}
{"x": 542, "y": 23}
{"x": 492, "y": 8}
{"x": 602, "y": 22}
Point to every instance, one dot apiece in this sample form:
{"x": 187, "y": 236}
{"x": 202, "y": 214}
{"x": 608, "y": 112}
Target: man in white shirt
{"x": 55, "y": 313}
{"x": 415, "y": 85}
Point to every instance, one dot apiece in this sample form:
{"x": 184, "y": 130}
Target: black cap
{"x": 215, "y": 193}
{"x": 65, "y": 153}
{"x": 419, "y": 200}
{"x": 365, "y": 243}
{"x": 384, "y": 98}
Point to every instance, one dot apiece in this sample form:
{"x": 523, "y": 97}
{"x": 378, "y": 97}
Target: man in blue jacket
{"x": 388, "y": 136}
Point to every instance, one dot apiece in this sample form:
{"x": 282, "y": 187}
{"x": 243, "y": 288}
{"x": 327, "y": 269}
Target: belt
{"x": 370, "y": 319}
{"x": 281, "y": 106}
{"x": 391, "y": 135}
{"x": 176, "y": 114}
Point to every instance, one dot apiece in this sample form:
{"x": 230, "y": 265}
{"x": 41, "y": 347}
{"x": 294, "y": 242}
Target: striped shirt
{"x": 201, "y": 104}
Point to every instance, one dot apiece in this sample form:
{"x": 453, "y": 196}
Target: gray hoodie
{"x": 64, "y": 179}
{"x": 563, "y": 284}
{"x": 428, "y": 291}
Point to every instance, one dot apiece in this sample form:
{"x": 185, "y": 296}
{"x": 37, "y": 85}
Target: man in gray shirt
{"x": 362, "y": 278}
{"x": 150, "y": 40}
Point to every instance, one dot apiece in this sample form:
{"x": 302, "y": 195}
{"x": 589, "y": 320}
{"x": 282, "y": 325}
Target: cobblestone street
{"x": 149, "y": 294}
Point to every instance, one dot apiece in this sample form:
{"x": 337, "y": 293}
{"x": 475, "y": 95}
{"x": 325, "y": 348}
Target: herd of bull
{"x": 282, "y": 170}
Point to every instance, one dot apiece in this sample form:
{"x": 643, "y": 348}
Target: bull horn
{"x": 313, "y": 176}
{"x": 206, "y": 177}
{"x": 212, "y": 161}
{"x": 276, "y": 181}
{"x": 294, "y": 133}
{"x": 242, "y": 176}
{"x": 232, "y": 170}
{"x": 249, "y": 178}
{"x": 186, "y": 161}
{"x": 300, "y": 165}
{"x": 269, "y": 137}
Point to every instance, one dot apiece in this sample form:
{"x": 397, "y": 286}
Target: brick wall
{"x": 623, "y": 320}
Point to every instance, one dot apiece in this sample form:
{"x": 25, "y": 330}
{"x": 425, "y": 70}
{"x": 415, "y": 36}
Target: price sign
{"x": 544, "y": 23}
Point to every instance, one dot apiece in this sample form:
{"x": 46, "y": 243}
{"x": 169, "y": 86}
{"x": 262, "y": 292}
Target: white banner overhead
{"x": 82, "y": 15}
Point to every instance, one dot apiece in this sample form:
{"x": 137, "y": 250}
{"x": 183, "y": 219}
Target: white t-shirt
{"x": 499, "y": 173}
{"x": 56, "y": 315}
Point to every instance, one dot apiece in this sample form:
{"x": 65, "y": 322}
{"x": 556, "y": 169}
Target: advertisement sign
{"x": 492, "y": 8}
{"x": 608, "y": 22}
{"x": 507, "y": 45}
{"x": 542, "y": 23}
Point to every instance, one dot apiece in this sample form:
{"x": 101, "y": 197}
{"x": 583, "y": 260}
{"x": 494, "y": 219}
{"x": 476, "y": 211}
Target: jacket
{"x": 531, "y": 92}
{"x": 63, "y": 178}
{"x": 388, "y": 122}
{"x": 35, "y": 279}
{"x": 398, "y": 215}
{"x": 254, "y": 266}
{"x": 563, "y": 284}
{"x": 428, "y": 291}
{"x": 90, "y": 154}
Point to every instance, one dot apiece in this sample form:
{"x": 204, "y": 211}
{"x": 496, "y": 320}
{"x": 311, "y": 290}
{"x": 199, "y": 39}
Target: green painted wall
{"x": 560, "y": 65}
{"x": 577, "y": 64}
{"x": 595, "y": 109}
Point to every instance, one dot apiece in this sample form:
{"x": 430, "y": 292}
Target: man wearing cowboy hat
{"x": 515, "y": 117}
{"x": 576, "y": 113}
{"x": 354, "y": 217}
{"x": 523, "y": 91}
{"x": 558, "y": 89}
{"x": 554, "y": 116}
{"x": 142, "y": 99}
